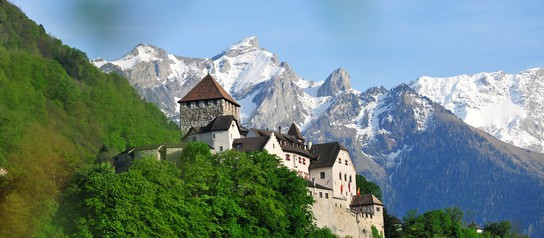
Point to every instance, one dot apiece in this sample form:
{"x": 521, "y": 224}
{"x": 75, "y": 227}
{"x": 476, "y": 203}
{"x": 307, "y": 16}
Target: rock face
{"x": 508, "y": 106}
{"x": 271, "y": 93}
{"x": 337, "y": 81}
{"x": 406, "y": 140}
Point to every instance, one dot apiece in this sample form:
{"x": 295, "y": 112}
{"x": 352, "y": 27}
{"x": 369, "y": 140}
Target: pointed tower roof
{"x": 294, "y": 131}
{"x": 207, "y": 89}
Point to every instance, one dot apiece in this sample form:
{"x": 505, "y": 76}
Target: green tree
{"x": 56, "y": 113}
{"x": 391, "y": 224}
{"x": 368, "y": 187}
{"x": 230, "y": 194}
{"x": 434, "y": 223}
{"x": 376, "y": 233}
{"x": 502, "y": 229}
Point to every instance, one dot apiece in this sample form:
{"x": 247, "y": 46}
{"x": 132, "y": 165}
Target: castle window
{"x": 326, "y": 195}
{"x": 350, "y": 178}
{"x": 320, "y": 195}
{"x": 220, "y": 148}
{"x": 194, "y": 138}
{"x": 213, "y": 135}
{"x": 339, "y": 161}
{"x": 340, "y": 175}
{"x": 378, "y": 209}
{"x": 345, "y": 177}
{"x": 304, "y": 161}
{"x": 322, "y": 175}
{"x": 273, "y": 146}
{"x": 287, "y": 157}
{"x": 346, "y": 162}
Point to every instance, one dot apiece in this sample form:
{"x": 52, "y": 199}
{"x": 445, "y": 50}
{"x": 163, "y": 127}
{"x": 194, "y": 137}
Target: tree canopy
{"x": 231, "y": 194}
{"x": 368, "y": 187}
{"x": 57, "y": 113}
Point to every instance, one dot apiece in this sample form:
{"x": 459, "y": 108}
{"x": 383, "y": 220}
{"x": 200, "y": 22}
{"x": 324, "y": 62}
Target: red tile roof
{"x": 207, "y": 89}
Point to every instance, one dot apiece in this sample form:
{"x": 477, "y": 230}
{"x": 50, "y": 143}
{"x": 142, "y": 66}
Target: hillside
{"x": 58, "y": 113}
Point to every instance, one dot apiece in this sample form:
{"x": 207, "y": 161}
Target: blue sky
{"x": 380, "y": 43}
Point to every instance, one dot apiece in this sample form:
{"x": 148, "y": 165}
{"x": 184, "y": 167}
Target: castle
{"x": 210, "y": 115}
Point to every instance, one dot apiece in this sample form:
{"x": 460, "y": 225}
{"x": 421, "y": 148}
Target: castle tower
{"x": 205, "y": 102}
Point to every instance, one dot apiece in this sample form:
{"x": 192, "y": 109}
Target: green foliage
{"x": 502, "y": 229}
{"x": 448, "y": 223}
{"x": 434, "y": 223}
{"x": 498, "y": 229}
{"x": 56, "y": 113}
{"x": 231, "y": 194}
{"x": 390, "y": 225}
{"x": 376, "y": 233}
{"x": 368, "y": 187}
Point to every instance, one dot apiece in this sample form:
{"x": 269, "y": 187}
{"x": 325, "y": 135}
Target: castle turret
{"x": 206, "y": 101}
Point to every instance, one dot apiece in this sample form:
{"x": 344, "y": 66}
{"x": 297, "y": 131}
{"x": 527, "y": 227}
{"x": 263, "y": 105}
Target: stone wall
{"x": 333, "y": 213}
{"x": 200, "y": 113}
{"x": 230, "y": 109}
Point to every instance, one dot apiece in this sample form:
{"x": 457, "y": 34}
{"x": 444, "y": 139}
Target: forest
{"x": 58, "y": 114}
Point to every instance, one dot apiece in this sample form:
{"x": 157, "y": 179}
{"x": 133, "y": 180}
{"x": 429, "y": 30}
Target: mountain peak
{"x": 338, "y": 80}
{"x": 247, "y": 42}
{"x": 141, "y": 53}
{"x": 146, "y": 49}
{"x": 403, "y": 87}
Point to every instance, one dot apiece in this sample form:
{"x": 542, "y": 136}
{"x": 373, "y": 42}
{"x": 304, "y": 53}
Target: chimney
{"x": 279, "y": 129}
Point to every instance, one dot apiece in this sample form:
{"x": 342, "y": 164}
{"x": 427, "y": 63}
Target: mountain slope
{"x": 252, "y": 75}
{"x": 508, "y": 106}
{"x": 425, "y": 157}
{"x": 58, "y": 113}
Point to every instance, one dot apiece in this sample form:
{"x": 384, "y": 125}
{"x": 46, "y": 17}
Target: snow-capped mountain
{"x": 508, "y": 106}
{"x": 270, "y": 92}
{"x": 420, "y": 153}
{"x": 424, "y": 157}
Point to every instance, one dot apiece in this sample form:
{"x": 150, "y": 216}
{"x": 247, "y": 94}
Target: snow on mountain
{"x": 376, "y": 125}
{"x": 270, "y": 92}
{"x": 508, "y": 106}
{"x": 244, "y": 65}
{"x": 421, "y": 155}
